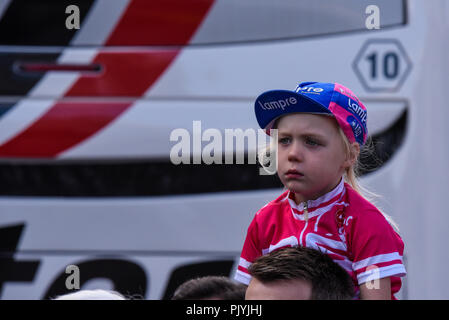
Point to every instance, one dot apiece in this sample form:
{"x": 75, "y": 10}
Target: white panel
{"x": 211, "y": 222}
{"x": 144, "y": 129}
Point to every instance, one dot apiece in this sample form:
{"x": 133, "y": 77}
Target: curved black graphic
{"x": 384, "y": 145}
{"x": 11, "y": 270}
{"x": 128, "y": 278}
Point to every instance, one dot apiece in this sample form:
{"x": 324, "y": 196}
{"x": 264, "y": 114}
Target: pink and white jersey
{"x": 341, "y": 223}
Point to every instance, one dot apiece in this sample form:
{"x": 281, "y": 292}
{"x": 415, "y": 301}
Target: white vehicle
{"x": 88, "y": 103}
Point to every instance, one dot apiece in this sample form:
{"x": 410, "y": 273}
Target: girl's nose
{"x": 295, "y": 152}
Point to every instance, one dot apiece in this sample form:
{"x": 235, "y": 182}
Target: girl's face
{"x": 311, "y": 155}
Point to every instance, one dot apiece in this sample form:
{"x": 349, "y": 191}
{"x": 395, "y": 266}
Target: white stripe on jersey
{"x": 242, "y": 277}
{"x": 244, "y": 263}
{"x": 376, "y": 259}
{"x": 328, "y": 196}
{"x": 313, "y": 240}
{"x": 292, "y": 241}
{"x": 397, "y": 270}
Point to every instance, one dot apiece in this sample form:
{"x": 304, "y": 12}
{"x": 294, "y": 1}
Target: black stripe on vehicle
{"x": 39, "y": 22}
{"x": 11, "y": 269}
{"x": 129, "y": 179}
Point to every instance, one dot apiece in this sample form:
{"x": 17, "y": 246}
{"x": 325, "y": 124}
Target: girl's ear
{"x": 354, "y": 151}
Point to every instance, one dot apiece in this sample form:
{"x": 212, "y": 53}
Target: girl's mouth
{"x": 293, "y": 174}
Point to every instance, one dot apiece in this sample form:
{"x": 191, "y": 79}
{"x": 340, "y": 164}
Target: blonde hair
{"x": 351, "y": 175}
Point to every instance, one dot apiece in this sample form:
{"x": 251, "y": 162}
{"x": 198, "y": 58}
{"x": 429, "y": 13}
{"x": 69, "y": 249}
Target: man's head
{"x": 210, "y": 288}
{"x": 298, "y": 273}
{"x": 97, "y": 294}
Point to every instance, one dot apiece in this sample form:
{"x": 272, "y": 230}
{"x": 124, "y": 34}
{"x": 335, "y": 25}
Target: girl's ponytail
{"x": 351, "y": 177}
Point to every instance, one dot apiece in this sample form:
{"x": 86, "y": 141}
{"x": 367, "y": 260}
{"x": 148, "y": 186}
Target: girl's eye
{"x": 312, "y": 142}
{"x": 284, "y": 140}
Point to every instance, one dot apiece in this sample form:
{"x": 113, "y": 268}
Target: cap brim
{"x": 273, "y": 104}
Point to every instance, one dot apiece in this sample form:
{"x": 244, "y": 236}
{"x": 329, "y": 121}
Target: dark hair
{"x": 329, "y": 281}
{"x": 217, "y": 287}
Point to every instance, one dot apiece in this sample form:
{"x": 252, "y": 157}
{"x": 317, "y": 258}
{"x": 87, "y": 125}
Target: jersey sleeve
{"x": 249, "y": 253}
{"x": 377, "y": 250}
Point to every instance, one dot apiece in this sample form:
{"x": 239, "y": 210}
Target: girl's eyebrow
{"x": 303, "y": 134}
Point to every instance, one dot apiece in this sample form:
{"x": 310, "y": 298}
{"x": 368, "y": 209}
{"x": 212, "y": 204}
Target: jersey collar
{"x": 319, "y": 205}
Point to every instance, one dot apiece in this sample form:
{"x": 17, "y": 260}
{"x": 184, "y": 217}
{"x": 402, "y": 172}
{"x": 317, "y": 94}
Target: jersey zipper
{"x": 306, "y": 218}
{"x": 306, "y": 211}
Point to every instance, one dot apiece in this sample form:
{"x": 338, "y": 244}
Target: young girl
{"x": 320, "y": 129}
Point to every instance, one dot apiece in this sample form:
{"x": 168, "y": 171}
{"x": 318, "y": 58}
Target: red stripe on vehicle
{"x": 123, "y": 74}
{"x": 159, "y": 22}
{"x": 49, "y": 135}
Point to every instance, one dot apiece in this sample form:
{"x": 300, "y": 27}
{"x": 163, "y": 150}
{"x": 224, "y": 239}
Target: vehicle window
{"x": 182, "y": 22}
{"x": 255, "y": 20}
